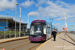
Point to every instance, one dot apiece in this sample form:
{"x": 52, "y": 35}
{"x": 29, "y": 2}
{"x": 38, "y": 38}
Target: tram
{"x": 40, "y": 30}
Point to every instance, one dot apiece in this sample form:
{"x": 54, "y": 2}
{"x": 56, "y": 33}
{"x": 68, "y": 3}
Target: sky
{"x": 41, "y": 9}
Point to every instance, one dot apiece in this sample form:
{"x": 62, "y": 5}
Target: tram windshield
{"x": 36, "y": 29}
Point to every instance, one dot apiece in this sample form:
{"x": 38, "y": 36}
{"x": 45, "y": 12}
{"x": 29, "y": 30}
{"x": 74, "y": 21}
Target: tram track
{"x": 23, "y": 44}
{"x": 20, "y": 46}
{"x": 13, "y": 44}
{"x": 33, "y": 47}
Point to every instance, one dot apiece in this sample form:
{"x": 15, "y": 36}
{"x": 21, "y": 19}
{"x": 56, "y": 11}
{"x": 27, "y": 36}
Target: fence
{"x": 72, "y": 35}
{"x": 71, "y": 32}
{"x": 11, "y": 34}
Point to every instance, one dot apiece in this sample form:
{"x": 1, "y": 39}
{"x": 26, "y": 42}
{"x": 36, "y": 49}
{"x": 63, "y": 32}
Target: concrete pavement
{"x": 61, "y": 43}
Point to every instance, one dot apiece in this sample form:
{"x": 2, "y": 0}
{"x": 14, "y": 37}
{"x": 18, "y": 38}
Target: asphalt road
{"x": 23, "y": 44}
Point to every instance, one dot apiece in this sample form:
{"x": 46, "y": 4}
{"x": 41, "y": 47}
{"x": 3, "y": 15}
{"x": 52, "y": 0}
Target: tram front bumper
{"x": 37, "y": 38}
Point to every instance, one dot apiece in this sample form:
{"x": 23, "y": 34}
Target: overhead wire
{"x": 20, "y": 5}
{"x": 41, "y": 8}
{"x": 28, "y": 10}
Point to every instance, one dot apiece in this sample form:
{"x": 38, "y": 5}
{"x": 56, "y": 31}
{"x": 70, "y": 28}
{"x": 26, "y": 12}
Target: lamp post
{"x": 15, "y": 18}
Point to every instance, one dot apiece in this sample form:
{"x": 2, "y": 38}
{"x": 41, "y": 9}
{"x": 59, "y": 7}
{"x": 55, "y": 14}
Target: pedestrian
{"x": 54, "y": 34}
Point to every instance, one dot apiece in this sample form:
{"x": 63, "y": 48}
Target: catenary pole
{"x": 15, "y": 18}
{"x": 65, "y": 22}
{"x": 28, "y": 20}
{"x": 20, "y": 24}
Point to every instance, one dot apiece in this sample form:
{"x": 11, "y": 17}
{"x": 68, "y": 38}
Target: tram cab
{"x": 37, "y": 31}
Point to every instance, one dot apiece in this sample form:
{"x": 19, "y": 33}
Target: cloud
{"x": 6, "y": 4}
{"x": 34, "y": 14}
{"x": 42, "y": 1}
{"x": 59, "y": 26}
{"x": 18, "y": 20}
{"x": 71, "y": 20}
{"x": 27, "y": 4}
{"x": 60, "y": 19}
{"x": 56, "y": 9}
{"x": 63, "y": 17}
{"x": 71, "y": 27}
{"x": 5, "y": 16}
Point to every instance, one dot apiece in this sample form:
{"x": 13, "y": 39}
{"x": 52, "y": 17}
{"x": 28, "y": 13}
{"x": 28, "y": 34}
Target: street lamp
{"x": 15, "y": 18}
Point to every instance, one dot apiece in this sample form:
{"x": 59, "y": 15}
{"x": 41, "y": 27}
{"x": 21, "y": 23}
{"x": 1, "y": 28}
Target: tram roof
{"x": 39, "y": 21}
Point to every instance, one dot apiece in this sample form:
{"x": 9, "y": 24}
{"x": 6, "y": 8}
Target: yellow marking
{"x": 44, "y": 43}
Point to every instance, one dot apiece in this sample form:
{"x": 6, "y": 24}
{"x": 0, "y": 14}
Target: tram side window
{"x": 32, "y": 30}
{"x": 44, "y": 30}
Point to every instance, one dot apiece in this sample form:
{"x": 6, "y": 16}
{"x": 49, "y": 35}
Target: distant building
{"x": 7, "y": 24}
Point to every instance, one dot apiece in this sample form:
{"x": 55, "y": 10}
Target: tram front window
{"x": 36, "y": 30}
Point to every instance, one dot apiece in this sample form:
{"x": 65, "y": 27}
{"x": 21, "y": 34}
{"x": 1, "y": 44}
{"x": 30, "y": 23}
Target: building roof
{"x": 10, "y": 19}
{"x": 5, "y": 17}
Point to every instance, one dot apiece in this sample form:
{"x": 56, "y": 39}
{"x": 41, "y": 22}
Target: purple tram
{"x": 38, "y": 31}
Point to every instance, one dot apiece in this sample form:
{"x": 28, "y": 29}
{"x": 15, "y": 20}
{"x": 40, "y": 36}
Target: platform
{"x": 10, "y": 39}
{"x": 61, "y": 43}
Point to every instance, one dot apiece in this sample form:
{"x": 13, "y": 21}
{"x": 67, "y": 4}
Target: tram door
{"x": 48, "y": 33}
